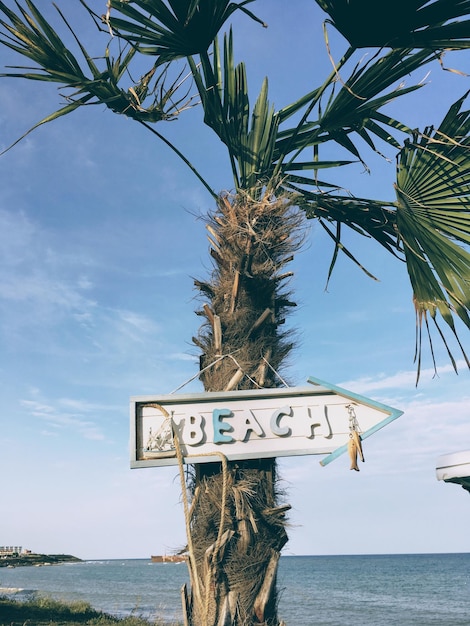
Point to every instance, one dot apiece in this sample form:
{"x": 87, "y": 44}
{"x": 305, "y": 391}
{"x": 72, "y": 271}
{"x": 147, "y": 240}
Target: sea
{"x": 358, "y": 590}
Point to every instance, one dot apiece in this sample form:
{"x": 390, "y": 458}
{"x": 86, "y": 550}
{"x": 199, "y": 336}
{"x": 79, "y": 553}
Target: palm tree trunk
{"x": 237, "y": 524}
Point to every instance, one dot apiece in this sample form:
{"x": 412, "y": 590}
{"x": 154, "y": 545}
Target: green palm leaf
{"x": 251, "y": 139}
{"x": 401, "y": 23}
{"x": 428, "y": 225}
{"x": 34, "y": 38}
{"x": 371, "y": 218}
{"x": 354, "y": 108}
{"x": 173, "y": 29}
{"x": 433, "y": 215}
{"x": 29, "y": 34}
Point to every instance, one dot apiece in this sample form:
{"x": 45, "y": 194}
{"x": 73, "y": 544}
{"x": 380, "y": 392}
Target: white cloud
{"x": 47, "y": 301}
{"x": 400, "y": 380}
{"x": 33, "y": 275}
{"x": 182, "y": 356}
{"x": 136, "y": 322}
{"x": 17, "y": 234}
{"x": 84, "y": 282}
{"x": 57, "y": 417}
{"x": 84, "y": 406}
{"x": 38, "y": 409}
{"x": 42, "y": 290}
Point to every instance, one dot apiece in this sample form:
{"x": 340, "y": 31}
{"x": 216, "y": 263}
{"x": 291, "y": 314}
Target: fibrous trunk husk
{"x": 237, "y": 524}
{"x": 242, "y": 343}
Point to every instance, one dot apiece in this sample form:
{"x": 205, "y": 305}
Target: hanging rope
{"x": 275, "y": 372}
{"x": 203, "y": 605}
{"x": 220, "y": 358}
{"x": 230, "y": 356}
{"x": 187, "y": 515}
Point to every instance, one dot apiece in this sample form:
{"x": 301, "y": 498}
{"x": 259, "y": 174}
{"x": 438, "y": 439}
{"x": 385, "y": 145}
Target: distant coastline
{"x": 168, "y": 558}
{"x": 23, "y": 560}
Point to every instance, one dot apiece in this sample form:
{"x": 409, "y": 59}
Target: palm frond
{"x": 250, "y": 140}
{"x": 173, "y": 29}
{"x": 369, "y": 89}
{"x": 355, "y": 107}
{"x": 402, "y": 23}
{"x": 31, "y": 35}
{"x": 433, "y": 218}
{"x": 371, "y": 218}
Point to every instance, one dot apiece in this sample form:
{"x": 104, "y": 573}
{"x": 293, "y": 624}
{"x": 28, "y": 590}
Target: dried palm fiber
{"x": 253, "y": 535}
{"x": 251, "y": 243}
{"x": 245, "y": 303}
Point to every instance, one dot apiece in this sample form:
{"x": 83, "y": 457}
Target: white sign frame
{"x": 253, "y": 424}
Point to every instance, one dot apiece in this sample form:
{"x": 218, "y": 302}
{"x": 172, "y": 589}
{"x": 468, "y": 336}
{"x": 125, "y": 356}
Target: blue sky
{"x": 100, "y": 239}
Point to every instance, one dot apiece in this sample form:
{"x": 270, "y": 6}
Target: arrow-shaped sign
{"x": 318, "y": 419}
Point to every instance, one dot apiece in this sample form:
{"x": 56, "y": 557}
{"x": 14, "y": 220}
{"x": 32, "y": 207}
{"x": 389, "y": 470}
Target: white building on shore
{"x": 10, "y": 550}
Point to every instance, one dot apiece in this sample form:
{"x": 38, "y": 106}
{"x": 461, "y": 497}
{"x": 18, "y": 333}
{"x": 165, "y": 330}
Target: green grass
{"x": 48, "y": 612}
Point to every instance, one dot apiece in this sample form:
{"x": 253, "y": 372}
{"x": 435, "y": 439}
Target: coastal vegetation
{"x": 48, "y": 612}
{"x": 19, "y": 560}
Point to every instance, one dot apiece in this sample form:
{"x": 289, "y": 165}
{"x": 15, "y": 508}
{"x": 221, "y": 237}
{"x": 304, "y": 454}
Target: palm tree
{"x": 236, "y": 521}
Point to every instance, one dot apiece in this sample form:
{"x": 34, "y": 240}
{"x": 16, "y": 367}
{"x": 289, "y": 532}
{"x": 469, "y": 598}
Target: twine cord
{"x": 203, "y": 606}
{"x": 229, "y": 356}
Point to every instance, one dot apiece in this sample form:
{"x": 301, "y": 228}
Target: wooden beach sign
{"x": 316, "y": 419}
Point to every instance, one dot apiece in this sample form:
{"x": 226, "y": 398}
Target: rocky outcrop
{"x": 37, "y": 559}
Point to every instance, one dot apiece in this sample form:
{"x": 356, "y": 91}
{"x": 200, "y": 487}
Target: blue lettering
{"x": 221, "y": 427}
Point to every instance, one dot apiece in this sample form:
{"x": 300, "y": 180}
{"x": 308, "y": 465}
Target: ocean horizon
{"x": 420, "y": 589}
